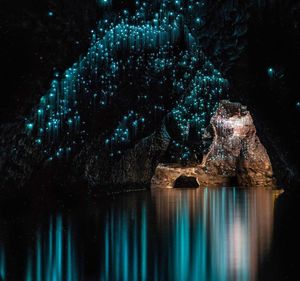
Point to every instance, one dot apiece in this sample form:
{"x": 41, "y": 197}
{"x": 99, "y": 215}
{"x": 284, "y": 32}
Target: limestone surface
{"x": 235, "y": 157}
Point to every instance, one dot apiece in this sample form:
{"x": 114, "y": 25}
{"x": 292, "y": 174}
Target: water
{"x": 180, "y": 235}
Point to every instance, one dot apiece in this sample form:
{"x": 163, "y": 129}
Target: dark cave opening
{"x": 186, "y": 182}
{"x": 232, "y": 181}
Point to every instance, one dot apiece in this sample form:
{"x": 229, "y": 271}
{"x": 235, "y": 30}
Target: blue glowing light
{"x": 2, "y": 263}
{"x": 271, "y": 72}
{"x": 104, "y": 2}
{"x": 149, "y": 41}
{"x": 29, "y": 126}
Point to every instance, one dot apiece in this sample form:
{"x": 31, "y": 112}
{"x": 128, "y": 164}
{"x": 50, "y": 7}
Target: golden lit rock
{"x": 235, "y": 157}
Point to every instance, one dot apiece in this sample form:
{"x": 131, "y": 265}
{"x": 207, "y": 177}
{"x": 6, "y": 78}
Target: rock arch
{"x": 236, "y": 153}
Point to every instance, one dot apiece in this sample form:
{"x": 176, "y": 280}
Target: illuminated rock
{"x": 235, "y": 157}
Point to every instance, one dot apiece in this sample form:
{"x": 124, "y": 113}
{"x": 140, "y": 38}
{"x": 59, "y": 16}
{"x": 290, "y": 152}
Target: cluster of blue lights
{"x": 151, "y": 46}
{"x": 127, "y": 127}
{"x": 196, "y": 108}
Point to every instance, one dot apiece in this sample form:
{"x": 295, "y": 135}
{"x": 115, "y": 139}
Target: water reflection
{"x": 125, "y": 244}
{"x": 214, "y": 234}
{"x": 181, "y": 235}
{"x": 2, "y": 263}
{"x": 53, "y": 258}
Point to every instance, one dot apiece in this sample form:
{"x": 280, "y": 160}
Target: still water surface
{"x": 180, "y": 235}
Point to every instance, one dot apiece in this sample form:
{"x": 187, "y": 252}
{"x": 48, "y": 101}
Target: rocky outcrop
{"x": 135, "y": 168}
{"x": 236, "y": 155}
{"x": 23, "y": 162}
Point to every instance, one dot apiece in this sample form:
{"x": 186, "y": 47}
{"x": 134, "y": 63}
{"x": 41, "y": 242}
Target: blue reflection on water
{"x": 125, "y": 246}
{"x": 213, "y": 234}
{"x": 210, "y": 234}
{"x": 179, "y": 235}
{"x": 48, "y": 261}
{"x": 2, "y": 263}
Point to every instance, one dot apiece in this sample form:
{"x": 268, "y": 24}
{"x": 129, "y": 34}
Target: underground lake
{"x": 211, "y": 234}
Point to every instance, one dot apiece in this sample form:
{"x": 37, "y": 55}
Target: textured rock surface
{"x": 236, "y": 154}
{"x": 20, "y": 157}
{"x": 136, "y": 166}
{"x": 22, "y": 162}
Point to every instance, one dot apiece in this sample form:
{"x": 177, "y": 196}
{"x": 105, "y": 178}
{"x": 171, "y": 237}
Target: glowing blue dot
{"x": 30, "y": 126}
{"x": 271, "y": 72}
{"x": 50, "y": 14}
{"x": 104, "y": 2}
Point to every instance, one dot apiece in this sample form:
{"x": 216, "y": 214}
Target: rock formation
{"x": 134, "y": 169}
{"x": 235, "y": 157}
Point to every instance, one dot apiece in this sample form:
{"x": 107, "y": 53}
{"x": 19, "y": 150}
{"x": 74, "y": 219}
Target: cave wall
{"x": 266, "y": 79}
{"x": 36, "y": 44}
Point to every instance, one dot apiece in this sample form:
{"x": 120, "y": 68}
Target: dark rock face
{"x": 235, "y": 152}
{"x": 20, "y": 157}
{"x": 135, "y": 167}
{"x": 22, "y": 161}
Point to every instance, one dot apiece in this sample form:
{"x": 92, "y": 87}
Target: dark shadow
{"x": 186, "y": 182}
{"x": 284, "y": 261}
{"x": 232, "y": 182}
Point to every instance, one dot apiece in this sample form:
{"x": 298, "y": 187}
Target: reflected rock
{"x": 214, "y": 234}
{"x": 236, "y": 155}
